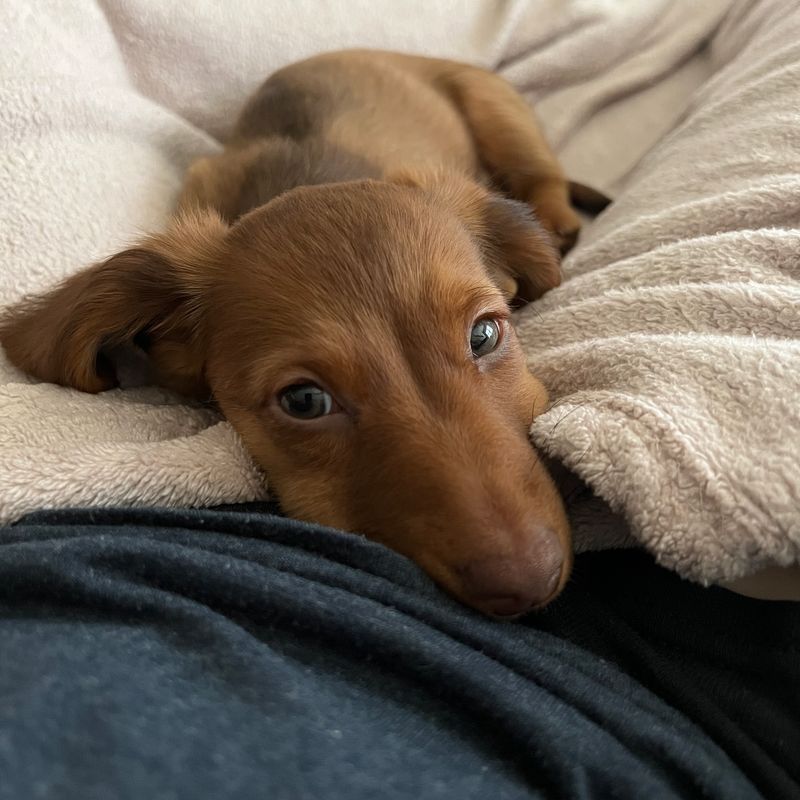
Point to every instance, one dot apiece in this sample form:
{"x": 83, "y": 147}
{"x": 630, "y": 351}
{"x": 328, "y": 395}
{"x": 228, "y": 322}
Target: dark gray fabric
{"x": 180, "y": 654}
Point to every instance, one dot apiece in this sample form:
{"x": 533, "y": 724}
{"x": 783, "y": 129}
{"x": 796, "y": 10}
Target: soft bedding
{"x": 671, "y": 350}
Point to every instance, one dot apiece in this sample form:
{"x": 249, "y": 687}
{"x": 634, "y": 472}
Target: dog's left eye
{"x": 306, "y": 401}
{"x": 484, "y": 337}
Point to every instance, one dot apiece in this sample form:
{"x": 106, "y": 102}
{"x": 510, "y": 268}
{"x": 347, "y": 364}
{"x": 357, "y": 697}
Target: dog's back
{"x": 335, "y": 117}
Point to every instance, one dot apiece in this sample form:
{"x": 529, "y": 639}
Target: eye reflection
{"x": 306, "y": 401}
{"x": 484, "y": 337}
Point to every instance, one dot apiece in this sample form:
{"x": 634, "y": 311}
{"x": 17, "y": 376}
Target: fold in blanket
{"x": 671, "y": 352}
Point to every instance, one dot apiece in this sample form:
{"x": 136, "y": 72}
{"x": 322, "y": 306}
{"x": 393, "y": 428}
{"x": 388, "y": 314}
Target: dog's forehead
{"x": 363, "y": 283}
{"x": 369, "y": 241}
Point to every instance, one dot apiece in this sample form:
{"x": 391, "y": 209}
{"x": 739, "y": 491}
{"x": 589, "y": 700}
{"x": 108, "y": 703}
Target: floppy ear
{"x": 152, "y": 293}
{"x": 519, "y": 253}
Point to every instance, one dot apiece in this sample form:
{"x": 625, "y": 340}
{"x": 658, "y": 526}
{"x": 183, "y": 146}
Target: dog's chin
{"x": 502, "y": 609}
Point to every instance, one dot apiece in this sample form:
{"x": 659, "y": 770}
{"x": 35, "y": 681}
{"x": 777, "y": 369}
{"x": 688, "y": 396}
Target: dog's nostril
{"x": 511, "y": 585}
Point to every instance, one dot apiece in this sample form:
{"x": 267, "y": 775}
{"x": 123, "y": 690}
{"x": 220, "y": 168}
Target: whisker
{"x": 556, "y": 403}
{"x": 583, "y": 455}
{"x": 568, "y": 414}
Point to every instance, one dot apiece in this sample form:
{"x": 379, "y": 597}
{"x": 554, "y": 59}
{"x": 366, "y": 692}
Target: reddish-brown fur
{"x": 350, "y": 235}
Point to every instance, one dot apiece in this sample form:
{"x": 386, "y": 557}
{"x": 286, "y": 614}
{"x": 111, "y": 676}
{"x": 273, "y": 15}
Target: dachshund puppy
{"x": 339, "y": 280}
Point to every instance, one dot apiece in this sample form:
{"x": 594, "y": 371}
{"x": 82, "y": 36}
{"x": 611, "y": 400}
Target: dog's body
{"x": 338, "y": 281}
{"x": 366, "y": 114}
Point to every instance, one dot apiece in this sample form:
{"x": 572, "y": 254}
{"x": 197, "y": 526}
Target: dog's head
{"x": 357, "y": 336}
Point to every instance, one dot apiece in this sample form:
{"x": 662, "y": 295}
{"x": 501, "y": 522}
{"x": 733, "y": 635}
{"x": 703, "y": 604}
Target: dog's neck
{"x": 284, "y": 163}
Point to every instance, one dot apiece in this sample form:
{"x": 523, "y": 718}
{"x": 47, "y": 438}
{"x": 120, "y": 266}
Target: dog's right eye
{"x": 306, "y": 401}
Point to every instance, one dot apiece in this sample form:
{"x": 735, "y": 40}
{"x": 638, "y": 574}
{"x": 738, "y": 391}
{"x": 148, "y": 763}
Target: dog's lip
{"x": 500, "y": 617}
{"x": 512, "y": 617}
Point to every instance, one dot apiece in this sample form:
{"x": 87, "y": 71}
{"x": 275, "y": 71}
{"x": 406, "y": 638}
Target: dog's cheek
{"x": 535, "y": 395}
{"x": 305, "y": 472}
{"x": 526, "y": 398}
{"x": 314, "y": 497}
{"x": 516, "y": 389}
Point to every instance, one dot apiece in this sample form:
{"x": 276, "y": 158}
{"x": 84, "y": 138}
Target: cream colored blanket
{"x": 674, "y": 347}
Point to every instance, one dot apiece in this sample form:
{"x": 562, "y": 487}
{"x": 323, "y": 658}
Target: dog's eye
{"x": 306, "y": 401}
{"x": 484, "y": 337}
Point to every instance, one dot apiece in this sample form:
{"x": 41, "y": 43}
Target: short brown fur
{"x": 367, "y": 210}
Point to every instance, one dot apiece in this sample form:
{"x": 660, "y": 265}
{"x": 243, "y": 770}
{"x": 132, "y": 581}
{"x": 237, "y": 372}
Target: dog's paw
{"x": 552, "y": 207}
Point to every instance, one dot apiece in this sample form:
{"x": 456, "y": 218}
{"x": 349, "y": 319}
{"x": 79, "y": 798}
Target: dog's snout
{"x": 510, "y": 585}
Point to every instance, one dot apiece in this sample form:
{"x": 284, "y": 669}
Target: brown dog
{"x": 338, "y": 280}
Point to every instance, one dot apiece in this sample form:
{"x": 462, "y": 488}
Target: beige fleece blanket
{"x": 670, "y": 351}
{"x": 674, "y": 347}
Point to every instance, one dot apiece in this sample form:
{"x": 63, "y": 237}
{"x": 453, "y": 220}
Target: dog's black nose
{"x": 510, "y": 585}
